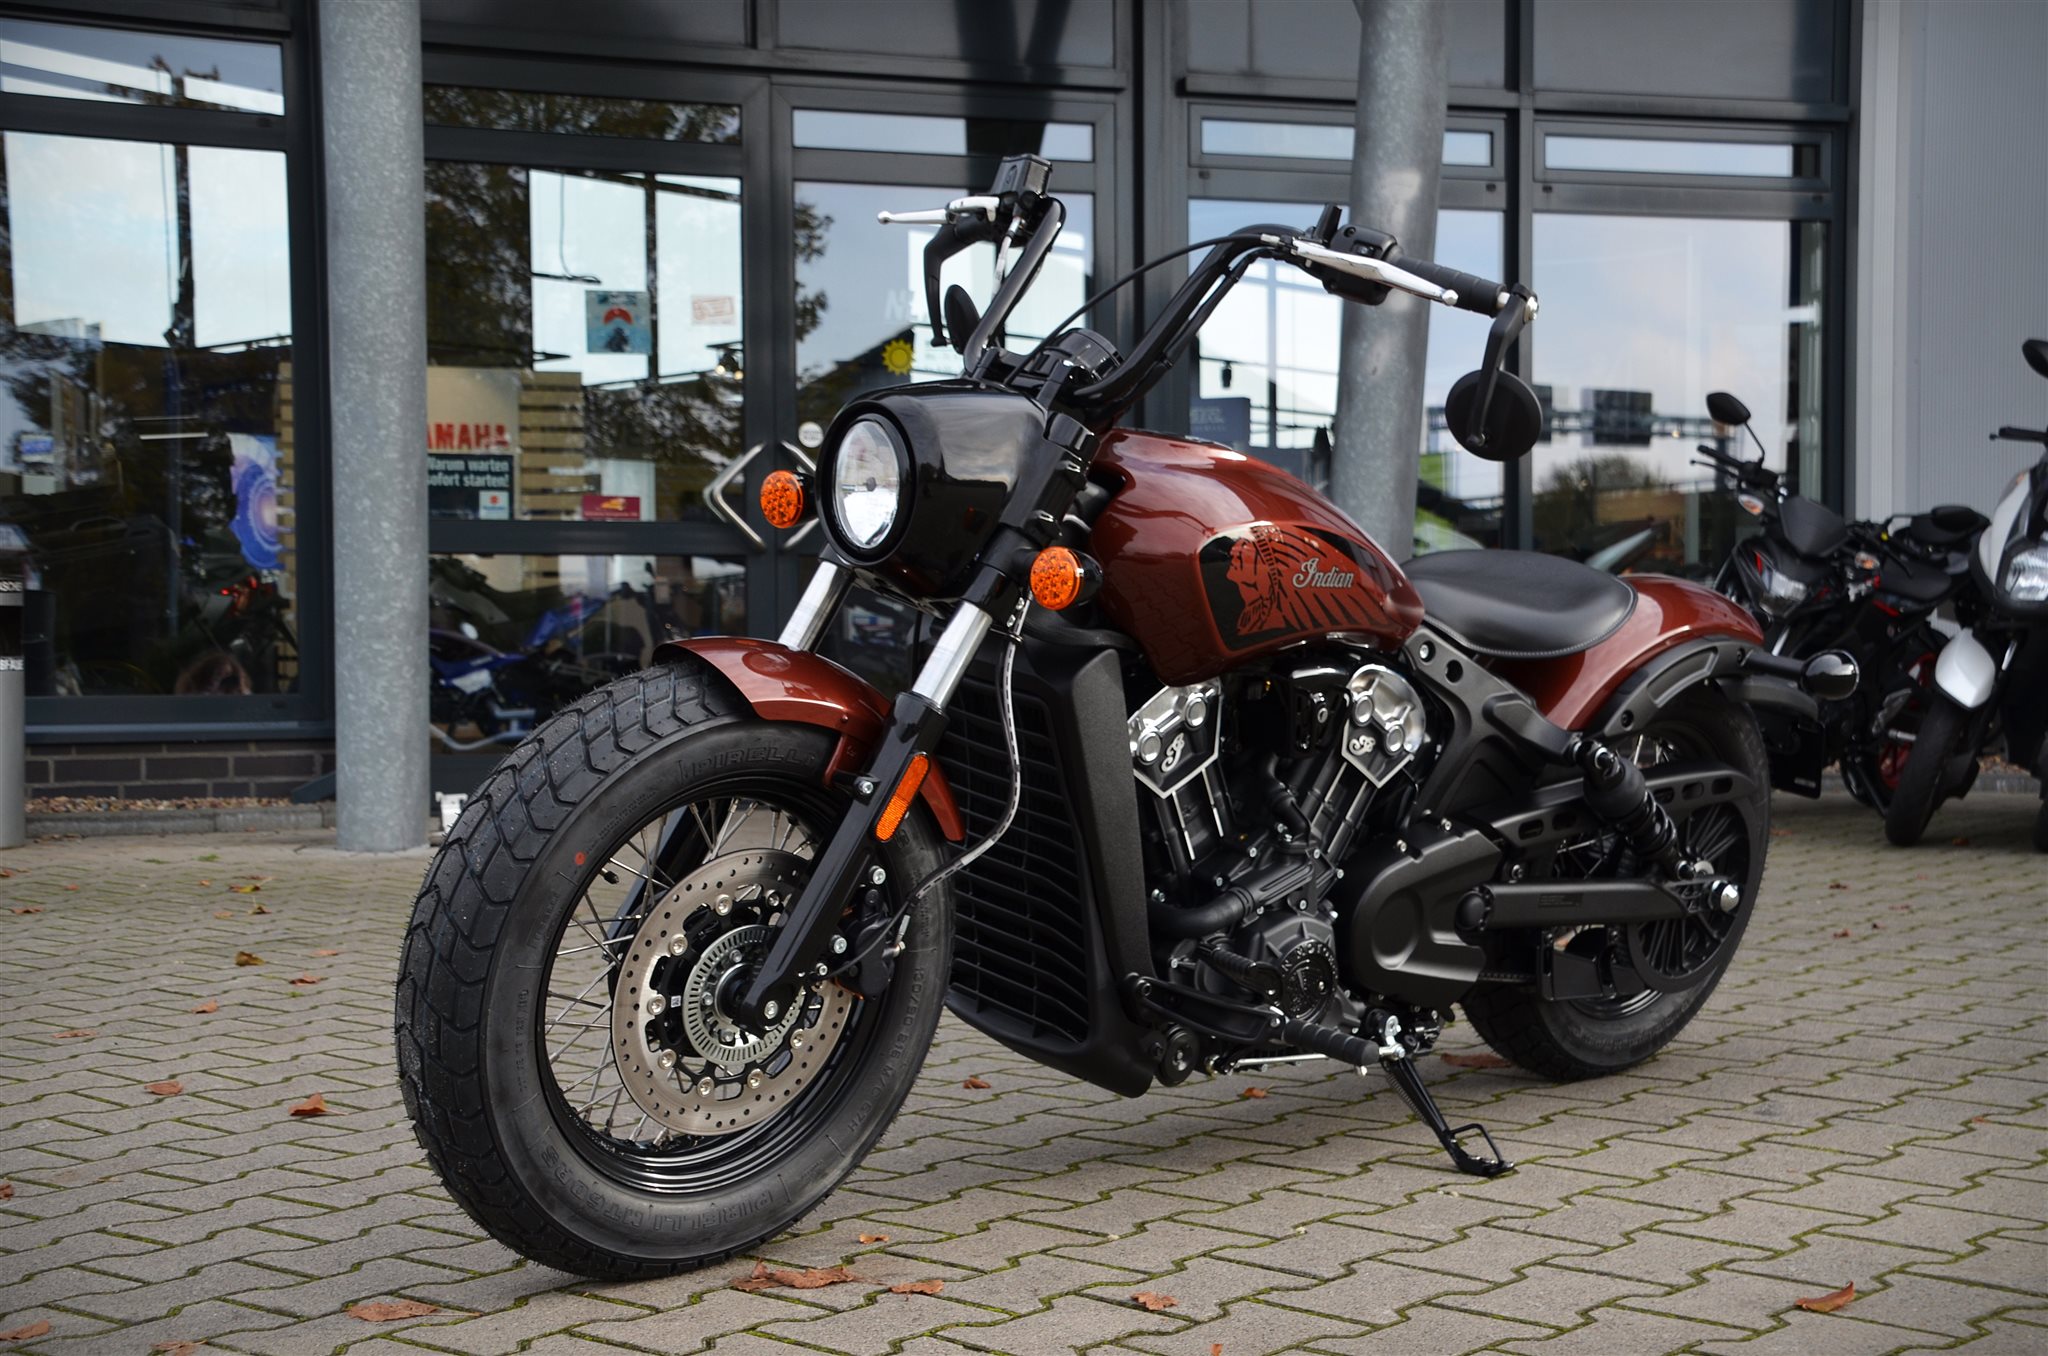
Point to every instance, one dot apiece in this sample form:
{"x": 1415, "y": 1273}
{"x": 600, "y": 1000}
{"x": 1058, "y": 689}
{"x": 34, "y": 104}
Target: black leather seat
{"x": 1519, "y": 604}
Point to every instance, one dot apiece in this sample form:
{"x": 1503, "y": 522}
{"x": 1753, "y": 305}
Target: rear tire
{"x": 481, "y": 1067}
{"x": 1566, "y": 1040}
{"x": 1920, "y": 785}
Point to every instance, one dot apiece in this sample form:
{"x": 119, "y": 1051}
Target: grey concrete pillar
{"x": 1395, "y": 170}
{"x": 377, "y": 362}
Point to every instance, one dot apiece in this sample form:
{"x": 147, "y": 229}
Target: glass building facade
{"x": 654, "y": 272}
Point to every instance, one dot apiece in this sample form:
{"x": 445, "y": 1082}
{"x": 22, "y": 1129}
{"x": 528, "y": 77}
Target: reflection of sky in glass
{"x": 1671, "y": 306}
{"x": 595, "y": 231}
{"x": 872, "y": 276}
{"x": 1321, "y": 141}
{"x": 1640, "y": 155}
{"x": 110, "y": 65}
{"x": 92, "y": 228}
{"x": 1299, "y": 350}
{"x": 920, "y": 134}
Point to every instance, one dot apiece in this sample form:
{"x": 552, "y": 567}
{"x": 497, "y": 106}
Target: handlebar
{"x": 2007, "y": 433}
{"x": 1470, "y": 292}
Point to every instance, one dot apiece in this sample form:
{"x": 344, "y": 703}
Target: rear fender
{"x": 1619, "y": 680}
{"x": 808, "y": 689}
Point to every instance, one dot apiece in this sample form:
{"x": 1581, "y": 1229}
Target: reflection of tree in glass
{"x": 581, "y": 115}
{"x": 479, "y": 266}
{"x": 811, "y": 225}
{"x": 1568, "y": 512}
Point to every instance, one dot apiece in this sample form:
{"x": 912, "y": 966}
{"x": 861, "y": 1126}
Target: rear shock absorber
{"x": 1616, "y": 791}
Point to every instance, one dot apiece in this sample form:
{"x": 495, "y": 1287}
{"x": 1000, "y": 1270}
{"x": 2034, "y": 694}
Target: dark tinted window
{"x": 1318, "y": 39}
{"x": 1018, "y": 33}
{"x": 654, "y": 21}
{"x": 1732, "y": 49}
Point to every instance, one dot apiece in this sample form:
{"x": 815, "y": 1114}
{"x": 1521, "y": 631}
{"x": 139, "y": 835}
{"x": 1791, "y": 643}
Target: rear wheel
{"x": 1920, "y": 784}
{"x": 1680, "y": 960}
{"x": 563, "y": 1043}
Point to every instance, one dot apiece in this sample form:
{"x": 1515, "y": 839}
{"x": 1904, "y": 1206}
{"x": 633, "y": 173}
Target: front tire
{"x": 1566, "y": 1040}
{"x": 1920, "y": 785}
{"x": 551, "y": 1161}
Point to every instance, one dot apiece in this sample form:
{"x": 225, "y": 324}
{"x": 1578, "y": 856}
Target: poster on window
{"x": 616, "y": 322}
{"x": 472, "y": 442}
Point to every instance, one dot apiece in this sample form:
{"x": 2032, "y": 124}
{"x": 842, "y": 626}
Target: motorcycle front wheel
{"x": 1920, "y": 783}
{"x": 563, "y": 1048}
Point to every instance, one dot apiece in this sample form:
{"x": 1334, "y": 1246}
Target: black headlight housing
{"x": 966, "y": 448}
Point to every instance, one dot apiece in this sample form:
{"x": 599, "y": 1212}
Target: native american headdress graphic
{"x": 1282, "y": 577}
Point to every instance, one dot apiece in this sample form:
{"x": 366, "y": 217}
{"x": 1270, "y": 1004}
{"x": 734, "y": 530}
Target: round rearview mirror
{"x": 2035, "y": 351}
{"x": 1514, "y": 419}
{"x": 1726, "y": 409}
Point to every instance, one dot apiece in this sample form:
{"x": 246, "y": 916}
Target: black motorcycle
{"x": 1991, "y": 682}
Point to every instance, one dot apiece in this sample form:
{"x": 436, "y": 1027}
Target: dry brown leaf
{"x": 1827, "y": 1304}
{"x": 1152, "y": 1301}
{"x": 975, "y": 1085}
{"x": 30, "y": 908}
{"x": 931, "y": 1287}
{"x": 6, "y": 1191}
{"x": 765, "y": 1277}
{"x": 170, "y": 1087}
{"x": 874, "y": 1238}
{"x": 1959, "y": 841}
{"x": 390, "y": 1311}
{"x": 206, "y": 882}
{"x": 1974, "y": 1120}
{"x": 324, "y": 951}
{"x": 259, "y": 909}
{"x": 304, "y": 979}
{"x": 248, "y": 958}
{"x": 316, "y": 1105}
{"x": 80, "y": 1034}
{"x": 22, "y": 1334}
{"x": 1253, "y": 1093}
{"x": 210, "y": 1005}
{"x": 177, "y": 1348}
{"x": 1215, "y": 1349}
{"x": 1844, "y": 933}
{"x": 6, "y": 872}
{"x": 223, "y": 913}
{"x": 71, "y": 887}
{"x": 1479, "y": 1059}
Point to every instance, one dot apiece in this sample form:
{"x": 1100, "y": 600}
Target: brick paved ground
{"x": 1869, "y": 1108}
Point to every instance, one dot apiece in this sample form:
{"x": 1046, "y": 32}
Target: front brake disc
{"x": 684, "y": 1063}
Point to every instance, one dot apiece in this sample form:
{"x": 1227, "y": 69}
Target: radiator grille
{"x": 1020, "y": 943}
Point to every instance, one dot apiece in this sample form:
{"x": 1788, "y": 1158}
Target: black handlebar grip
{"x": 1476, "y": 294}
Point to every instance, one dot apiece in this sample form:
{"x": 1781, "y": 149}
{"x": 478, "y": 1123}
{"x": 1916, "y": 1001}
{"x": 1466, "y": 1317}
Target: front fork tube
{"x": 915, "y": 724}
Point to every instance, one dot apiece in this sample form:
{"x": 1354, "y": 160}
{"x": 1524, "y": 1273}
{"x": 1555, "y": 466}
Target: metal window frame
{"x": 308, "y": 712}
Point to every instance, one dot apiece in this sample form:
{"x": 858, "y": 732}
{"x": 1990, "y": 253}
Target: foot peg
{"x": 1400, "y": 1071}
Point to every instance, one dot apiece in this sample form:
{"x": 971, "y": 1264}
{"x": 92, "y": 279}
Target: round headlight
{"x": 867, "y": 483}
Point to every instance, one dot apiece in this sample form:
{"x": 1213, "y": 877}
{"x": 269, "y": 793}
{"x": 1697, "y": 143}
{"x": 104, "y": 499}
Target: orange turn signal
{"x": 783, "y": 499}
{"x": 1061, "y": 577}
{"x": 899, "y": 800}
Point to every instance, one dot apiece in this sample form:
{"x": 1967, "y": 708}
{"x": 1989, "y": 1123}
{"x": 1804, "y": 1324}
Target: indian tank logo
{"x": 1267, "y": 579}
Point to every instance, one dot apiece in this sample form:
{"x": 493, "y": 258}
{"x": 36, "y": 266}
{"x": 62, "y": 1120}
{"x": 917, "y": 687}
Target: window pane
{"x": 585, "y": 333}
{"x": 860, "y": 308}
{"x": 514, "y": 638}
{"x": 1633, "y": 155}
{"x": 1320, "y": 141}
{"x": 1642, "y": 317}
{"x": 146, "y": 439}
{"x": 917, "y": 134}
{"x": 110, "y": 65}
{"x": 581, "y": 115}
{"x": 1468, "y": 148}
{"x": 1267, "y": 369}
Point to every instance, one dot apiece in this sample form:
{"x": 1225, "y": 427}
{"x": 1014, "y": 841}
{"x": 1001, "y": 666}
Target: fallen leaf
{"x": 6, "y": 1191}
{"x": 259, "y": 909}
{"x": 1877, "y": 927}
{"x": 1254, "y": 1093}
{"x": 1827, "y": 1304}
{"x": 390, "y": 1311}
{"x": 223, "y": 913}
{"x": 248, "y": 958}
{"x": 316, "y": 1105}
{"x": 1482, "y": 1059}
{"x": 975, "y": 1085}
{"x": 80, "y": 1034}
{"x": 71, "y": 887}
{"x": 170, "y": 1087}
{"x": 206, "y": 882}
{"x": 1902, "y": 908}
{"x": 245, "y": 889}
{"x": 931, "y": 1287}
{"x": 6, "y": 872}
{"x": 1844, "y": 933}
{"x": 1974, "y": 1120}
{"x": 1836, "y": 885}
{"x": 1152, "y": 1301}
{"x": 1215, "y": 1349}
{"x": 30, "y": 908}
{"x": 765, "y": 1277}
{"x": 177, "y": 1348}
{"x": 1959, "y": 841}
{"x": 35, "y": 1329}
{"x": 210, "y": 1005}
{"x": 874, "y": 1238}
{"x": 324, "y": 951}
{"x": 305, "y": 979}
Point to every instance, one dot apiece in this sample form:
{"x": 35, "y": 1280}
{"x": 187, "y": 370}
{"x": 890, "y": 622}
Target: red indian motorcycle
{"x": 1239, "y": 788}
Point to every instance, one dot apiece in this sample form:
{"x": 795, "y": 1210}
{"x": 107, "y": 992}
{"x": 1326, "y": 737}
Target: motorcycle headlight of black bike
{"x": 1777, "y": 592}
{"x": 870, "y": 470}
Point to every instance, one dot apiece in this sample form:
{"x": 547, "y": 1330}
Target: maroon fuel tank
{"x": 1210, "y": 558}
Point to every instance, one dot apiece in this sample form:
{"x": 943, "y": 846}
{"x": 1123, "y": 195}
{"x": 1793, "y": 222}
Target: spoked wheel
{"x": 1677, "y": 961}
{"x": 565, "y": 1038}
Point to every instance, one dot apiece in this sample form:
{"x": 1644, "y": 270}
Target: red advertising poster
{"x": 611, "y": 508}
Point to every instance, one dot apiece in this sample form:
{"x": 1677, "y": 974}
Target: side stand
{"x": 1400, "y": 1071}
